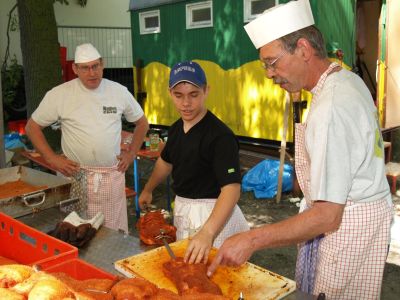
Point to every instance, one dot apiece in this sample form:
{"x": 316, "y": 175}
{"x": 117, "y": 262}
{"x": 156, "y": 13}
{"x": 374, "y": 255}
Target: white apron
{"x": 106, "y": 193}
{"x": 191, "y": 214}
{"x": 347, "y": 263}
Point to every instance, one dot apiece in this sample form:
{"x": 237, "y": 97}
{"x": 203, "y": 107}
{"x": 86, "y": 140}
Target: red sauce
{"x": 17, "y": 188}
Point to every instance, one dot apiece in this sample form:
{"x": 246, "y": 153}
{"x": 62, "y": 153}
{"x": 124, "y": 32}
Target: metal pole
{"x": 2, "y": 148}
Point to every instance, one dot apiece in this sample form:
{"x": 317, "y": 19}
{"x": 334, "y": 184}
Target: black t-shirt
{"x": 204, "y": 159}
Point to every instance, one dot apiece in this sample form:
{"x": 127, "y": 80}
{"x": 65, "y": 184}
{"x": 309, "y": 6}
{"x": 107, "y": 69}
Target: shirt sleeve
{"x": 329, "y": 144}
{"x": 47, "y": 111}
{"x": 165, "y": 153}
{"x": 226, "y": 160}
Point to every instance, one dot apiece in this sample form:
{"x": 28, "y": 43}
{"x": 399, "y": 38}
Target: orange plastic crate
{"x": 29, "y": 246}
{"x": 79, "y": 270}
{"x": 17, "y": 126}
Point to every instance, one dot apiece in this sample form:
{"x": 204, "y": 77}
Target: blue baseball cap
{"x": 187, "y": 71}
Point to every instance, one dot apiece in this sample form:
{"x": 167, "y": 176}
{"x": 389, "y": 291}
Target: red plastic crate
{"x": 29, "y": 246}
{"x": 17, "y": 126}
{"x": 80, "y": 270}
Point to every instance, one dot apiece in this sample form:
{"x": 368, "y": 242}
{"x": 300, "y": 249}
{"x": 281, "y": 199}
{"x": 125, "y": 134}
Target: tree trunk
{"x": 40, "y": 54}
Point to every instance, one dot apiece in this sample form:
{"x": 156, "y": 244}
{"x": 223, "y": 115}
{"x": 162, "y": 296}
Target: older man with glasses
{"x": 343, "y": 227}
{"x": 89, "y": 109}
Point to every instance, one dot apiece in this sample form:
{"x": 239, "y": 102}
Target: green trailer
{"x": 211, "y": 32}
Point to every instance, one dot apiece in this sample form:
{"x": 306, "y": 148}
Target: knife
{"x": 164, "y": 239}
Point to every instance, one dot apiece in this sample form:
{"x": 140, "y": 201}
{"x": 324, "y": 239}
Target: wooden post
{"x": 298, "y": 106}
{"x": 283, "y": 147}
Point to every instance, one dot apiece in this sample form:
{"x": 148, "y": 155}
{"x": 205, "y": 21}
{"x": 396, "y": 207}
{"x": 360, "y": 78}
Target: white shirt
{"x": 90, "y": 119}
{"x": 344, "y": 142}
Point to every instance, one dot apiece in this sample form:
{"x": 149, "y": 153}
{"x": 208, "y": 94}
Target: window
{"x": 253, "y": 8}
{"x": 199, "y": 15}
{"x": 149, "y": 22}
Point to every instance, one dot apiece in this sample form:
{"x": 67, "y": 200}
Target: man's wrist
{"x": 49, "y": 156}
{"x": 132, "y": 152}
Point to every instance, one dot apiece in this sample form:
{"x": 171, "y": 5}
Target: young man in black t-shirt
{"x": 202, "y": 155}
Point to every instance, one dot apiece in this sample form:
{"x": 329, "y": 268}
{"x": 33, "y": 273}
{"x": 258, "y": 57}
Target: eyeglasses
{"x": 271, "y": 65}
{"x": 86, "y": 69}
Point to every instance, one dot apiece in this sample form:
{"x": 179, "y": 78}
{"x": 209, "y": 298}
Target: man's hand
{"x": 199, "y": 248}
{"x": 234, "y": 252}
{"x": 63, "y": 165}
{"x": 125, "y": 160}
{"x": 145, "y": 199}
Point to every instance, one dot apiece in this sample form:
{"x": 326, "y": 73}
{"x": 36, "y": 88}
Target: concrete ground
{"x": 282, "y": 260}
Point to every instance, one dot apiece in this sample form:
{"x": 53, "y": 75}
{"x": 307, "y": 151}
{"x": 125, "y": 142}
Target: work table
{"x": 108, "y": 245}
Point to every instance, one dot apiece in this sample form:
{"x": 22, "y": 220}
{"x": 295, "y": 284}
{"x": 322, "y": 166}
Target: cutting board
{"x": 255, "y": 282}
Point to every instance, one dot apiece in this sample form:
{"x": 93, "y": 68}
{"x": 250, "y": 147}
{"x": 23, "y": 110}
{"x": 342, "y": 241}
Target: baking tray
{"x": 255, "y": 282}
{"x": 57, "y": 191}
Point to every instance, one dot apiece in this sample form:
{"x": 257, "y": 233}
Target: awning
{"x": 140, "y": 4}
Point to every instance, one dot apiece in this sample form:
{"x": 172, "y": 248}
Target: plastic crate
{"x": 80, "y": 270}
{"x": 29, "y": 246}
{"x": 17, "y": 126}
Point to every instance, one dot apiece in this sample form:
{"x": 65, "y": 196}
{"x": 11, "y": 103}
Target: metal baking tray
{"x": 57, "y": 191}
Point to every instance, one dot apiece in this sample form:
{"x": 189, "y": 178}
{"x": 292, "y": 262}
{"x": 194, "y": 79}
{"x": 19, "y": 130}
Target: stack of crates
{"x": 28, "y": 246}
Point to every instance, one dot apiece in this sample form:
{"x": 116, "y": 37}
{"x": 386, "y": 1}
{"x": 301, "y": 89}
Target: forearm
{"x": 223, "y": 208}
{"x": 141, "y": 128}
{"x": 322, "y": 217}
{"x": 36, "y": 136}
{"x": 161, "y": 171}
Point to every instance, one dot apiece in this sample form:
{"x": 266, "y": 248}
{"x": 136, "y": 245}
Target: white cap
{"x": 85, "y": 53}
{"x": 279, "y": 21}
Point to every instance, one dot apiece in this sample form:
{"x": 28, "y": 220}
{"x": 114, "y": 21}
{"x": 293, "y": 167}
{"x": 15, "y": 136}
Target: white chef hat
{"x": 85, "y": 53}
{"x": 279, "y": 21}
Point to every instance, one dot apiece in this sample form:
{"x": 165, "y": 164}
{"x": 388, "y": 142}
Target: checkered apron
{"x": 191, "y": 214}
{"x": 79, "y": 191}
{"x": 307, "y": 251}
{"x": 106, "y": 193}
{"x": 347, "y": 263}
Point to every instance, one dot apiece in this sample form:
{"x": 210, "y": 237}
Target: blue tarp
{"x": 12, "y": 141}
{"x": 263, "y": 179}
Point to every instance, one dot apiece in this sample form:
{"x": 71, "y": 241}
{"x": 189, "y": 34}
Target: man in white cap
{"x": 89, "y": 109}
{"x": 343, "y": 226}
{"x": 202, "y": 154}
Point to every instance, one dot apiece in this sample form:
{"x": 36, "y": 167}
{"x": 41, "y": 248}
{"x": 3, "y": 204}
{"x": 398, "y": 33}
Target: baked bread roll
{"x": 10, "y": 295}
{"x": 26, "y": 286}
{"x": 134, "y": 288}
{"x": 10, "y": 275}
{"x": 50, "y": 289}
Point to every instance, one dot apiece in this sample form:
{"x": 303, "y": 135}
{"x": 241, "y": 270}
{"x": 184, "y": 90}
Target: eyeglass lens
{"x": 86, "y": 69}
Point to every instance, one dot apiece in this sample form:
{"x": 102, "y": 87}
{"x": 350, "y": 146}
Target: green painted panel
{"x": 383, "y": 31}
{"x": 337, "y": 21}
{"x": 226, "y": 43}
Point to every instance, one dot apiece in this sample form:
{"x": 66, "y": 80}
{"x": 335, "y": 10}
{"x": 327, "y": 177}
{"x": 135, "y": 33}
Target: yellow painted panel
{"x": 249, "y": 103}
{"x": 381, "y": 92}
